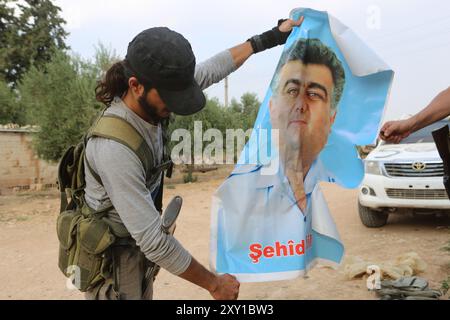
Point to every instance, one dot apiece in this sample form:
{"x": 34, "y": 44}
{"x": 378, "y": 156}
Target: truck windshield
{"x": 424, "y": 135}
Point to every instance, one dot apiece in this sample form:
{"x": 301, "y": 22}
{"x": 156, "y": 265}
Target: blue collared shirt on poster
{"x": 257, "y": 208}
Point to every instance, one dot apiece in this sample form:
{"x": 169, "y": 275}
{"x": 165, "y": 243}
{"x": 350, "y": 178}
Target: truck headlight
{"x": 372, "y": 167}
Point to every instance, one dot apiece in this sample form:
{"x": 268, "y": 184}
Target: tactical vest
{"x": 86, "y": 236}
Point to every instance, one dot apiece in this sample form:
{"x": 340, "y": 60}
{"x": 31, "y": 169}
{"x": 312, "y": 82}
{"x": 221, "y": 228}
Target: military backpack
{"x": 86, "y": 236}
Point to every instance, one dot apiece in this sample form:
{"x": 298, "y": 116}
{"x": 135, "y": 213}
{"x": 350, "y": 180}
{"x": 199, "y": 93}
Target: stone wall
{"x": 20, "y": 168}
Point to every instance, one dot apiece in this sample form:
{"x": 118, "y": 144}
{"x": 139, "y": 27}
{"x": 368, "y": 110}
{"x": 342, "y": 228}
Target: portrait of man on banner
{"x": 270, "y": 220}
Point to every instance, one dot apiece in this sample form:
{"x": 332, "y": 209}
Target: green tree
{"x": 29, "y": 36}
{"x": 244, "y": 112}
{"x": 235, "y": 106}
{"x": 60, "y": 98}
{"x": 211, "y": 117}
{"x": 105, "y": 57}
{"x": 9, "y": 108}
{"x": 241, "y": 115}
{"x": 250, "y": 106}
{"x": 8, "y": 36}
{"x": 61, "y": 101}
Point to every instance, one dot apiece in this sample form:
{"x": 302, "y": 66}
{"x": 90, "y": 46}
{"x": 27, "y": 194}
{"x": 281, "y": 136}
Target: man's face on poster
{"x": 301, "y": 107}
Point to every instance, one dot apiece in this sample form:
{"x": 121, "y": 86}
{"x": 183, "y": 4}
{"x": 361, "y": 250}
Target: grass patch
{"x": 189, "y": 177}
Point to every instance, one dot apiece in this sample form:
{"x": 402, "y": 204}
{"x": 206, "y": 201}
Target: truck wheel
{"x": 371, "y": 218}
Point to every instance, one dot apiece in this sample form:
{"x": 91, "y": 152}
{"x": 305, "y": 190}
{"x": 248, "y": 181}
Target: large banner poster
{"x": 270, "y": 220}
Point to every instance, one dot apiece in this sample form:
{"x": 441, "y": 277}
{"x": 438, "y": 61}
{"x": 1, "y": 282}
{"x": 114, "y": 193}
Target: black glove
{"x": 269, "y": 39}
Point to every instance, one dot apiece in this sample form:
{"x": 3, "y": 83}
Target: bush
{"x": 445, "y": 286}
{"x": 61, "y": 101}
{"x": 241, "y": 115}
{"x": 189, "y": 177}
{"x": 10, "y": 111}
{"x": 446, "y": 283}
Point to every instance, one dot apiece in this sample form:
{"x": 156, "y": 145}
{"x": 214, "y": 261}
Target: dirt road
{"x": 28, "y": 248}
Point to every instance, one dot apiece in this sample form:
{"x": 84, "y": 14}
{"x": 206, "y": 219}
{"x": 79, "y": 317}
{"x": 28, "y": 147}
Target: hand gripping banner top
{"x": 270, "y": 220}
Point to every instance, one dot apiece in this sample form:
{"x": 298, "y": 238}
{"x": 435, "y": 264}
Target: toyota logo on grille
{"x": 419, "y": 166}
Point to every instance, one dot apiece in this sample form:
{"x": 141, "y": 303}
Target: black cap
{"x": 163, "y": 59}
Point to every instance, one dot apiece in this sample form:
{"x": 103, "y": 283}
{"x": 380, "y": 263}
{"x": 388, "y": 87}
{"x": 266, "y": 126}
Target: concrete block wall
{"x": 20, "y": 168}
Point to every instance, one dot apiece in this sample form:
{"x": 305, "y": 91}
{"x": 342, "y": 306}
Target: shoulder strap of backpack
{"x": 118, "y": 129}
{"x": 167, "y": 162}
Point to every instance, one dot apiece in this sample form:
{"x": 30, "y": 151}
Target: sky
{"x": 411, "y": 36}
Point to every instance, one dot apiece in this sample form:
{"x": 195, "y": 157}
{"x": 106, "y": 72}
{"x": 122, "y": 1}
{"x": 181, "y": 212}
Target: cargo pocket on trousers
{"x": 104, "y": 291}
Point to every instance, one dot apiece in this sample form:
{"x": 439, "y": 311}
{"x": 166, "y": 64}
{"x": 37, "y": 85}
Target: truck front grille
{"x": 417, "y": 194}
{"x": 435, "y": 169}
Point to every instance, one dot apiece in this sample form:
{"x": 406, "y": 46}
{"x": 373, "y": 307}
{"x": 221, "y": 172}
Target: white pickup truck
{"x": 407, "y": 175}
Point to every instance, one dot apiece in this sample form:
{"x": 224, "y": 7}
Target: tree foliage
{"x": 61, "y": 100}
{"x": 31, "y": 31}
{"x": 10, "y": 111}
{"x": 240, "y": 115}
{"x": 42, "y": 84}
